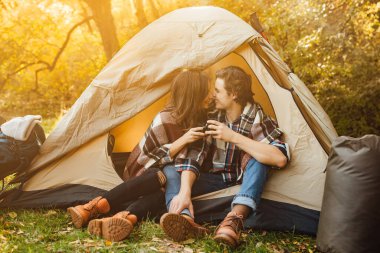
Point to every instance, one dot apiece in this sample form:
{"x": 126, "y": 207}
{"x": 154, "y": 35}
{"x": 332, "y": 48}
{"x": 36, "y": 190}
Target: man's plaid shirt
{"x": 227, "y": 158}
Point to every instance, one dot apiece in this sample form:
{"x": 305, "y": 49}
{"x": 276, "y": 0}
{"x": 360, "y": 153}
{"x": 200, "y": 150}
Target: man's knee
{"x": 256, "y": 170}
{"x": 170, "y": 172}
{"x": 256, "y": 165}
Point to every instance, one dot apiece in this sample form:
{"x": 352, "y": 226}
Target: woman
{"x": 172, "y": 138}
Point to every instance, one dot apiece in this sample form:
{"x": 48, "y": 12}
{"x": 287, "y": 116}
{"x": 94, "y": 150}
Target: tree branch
{"x": 48, "y": 66}
{"x": 52, "y": 66}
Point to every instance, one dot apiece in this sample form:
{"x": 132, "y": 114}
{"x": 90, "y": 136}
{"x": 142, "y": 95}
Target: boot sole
{"x": 76, "y": 218}
{"x": 112, "y": 229}
{"x": 226, "y": 239}
{"x": 179, "y": 228}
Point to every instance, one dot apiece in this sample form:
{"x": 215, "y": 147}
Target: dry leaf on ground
{"x": 12, "y": 215}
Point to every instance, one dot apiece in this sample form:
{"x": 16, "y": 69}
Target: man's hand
{"x": 193, "y": 134}
{"x": 220, "y": 131}
{"x": 180, "y": 202}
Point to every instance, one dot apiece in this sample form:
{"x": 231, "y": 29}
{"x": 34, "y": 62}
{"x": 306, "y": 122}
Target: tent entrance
{"x": 128, "y": 134}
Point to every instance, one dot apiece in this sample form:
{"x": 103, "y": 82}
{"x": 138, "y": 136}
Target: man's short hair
{"x": 238, "y": 82}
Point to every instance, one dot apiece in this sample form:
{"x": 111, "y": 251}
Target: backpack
{"x": 15, "y": 155}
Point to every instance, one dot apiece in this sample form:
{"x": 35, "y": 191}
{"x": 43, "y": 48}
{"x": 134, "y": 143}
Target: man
{"x": 244, "y": 146}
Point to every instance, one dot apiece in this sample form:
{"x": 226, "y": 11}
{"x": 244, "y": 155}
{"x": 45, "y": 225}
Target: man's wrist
{"x": 234, "y": 137}
{"x": 185, "y": 193}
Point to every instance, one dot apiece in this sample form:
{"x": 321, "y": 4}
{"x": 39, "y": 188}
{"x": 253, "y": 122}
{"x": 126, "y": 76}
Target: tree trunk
{"x": 140, "y": 13}
{"x": 155, "y": 12}
{"x": 101, "y": 10}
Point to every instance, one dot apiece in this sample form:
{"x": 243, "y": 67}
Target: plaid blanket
{"x": 253, "y": 124}
{"x": 153, "y": 149}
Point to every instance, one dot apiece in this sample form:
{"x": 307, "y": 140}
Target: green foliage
{"x": 332, "y": 45}
{"x": 34, "y": 32}
{"x": 52, "y": 231}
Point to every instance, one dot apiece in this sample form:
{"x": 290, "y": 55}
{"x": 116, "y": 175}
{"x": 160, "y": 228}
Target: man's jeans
{"x": 254, "y": 178}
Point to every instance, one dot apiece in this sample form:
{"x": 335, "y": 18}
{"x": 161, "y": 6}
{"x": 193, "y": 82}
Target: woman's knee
{"x": 170, "y": 172}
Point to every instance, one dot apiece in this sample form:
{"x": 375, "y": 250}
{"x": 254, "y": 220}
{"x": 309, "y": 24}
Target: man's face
{"x": 223, "y": 100}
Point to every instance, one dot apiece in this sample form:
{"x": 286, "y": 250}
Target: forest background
{"x": 51, "y": 50}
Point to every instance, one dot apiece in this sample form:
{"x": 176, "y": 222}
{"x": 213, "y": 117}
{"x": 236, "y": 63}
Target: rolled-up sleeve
{"x": 184, "y": 164}
{"x": 194, "y": 157}
{"x": 166, "y": 158}
{"x": 283, "y": 147}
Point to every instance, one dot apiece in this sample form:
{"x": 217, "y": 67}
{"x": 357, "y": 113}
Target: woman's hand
{"x": 220, "y": 131}
{"x": 193, "y": 134}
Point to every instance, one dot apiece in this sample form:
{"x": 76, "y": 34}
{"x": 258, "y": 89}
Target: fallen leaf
{"x": 50, "y": 213}
{"x": 75, "y": 242}
{"x": 155, "y": 239}
{"x": 9, "y": 231}
{"x": 264, "y": 233}
{"x": 12, "y": 215}
{"x": 188, "y": 250}
{"x": 188, "y": 241}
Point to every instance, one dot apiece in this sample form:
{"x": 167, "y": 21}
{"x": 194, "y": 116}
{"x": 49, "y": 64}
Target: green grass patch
{"x": 52, "y": 231}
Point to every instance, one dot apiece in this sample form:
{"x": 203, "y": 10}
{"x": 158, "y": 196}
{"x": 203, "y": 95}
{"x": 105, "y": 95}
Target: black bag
{"x": 350, "y": 215}
{"x": 15, "y": 156}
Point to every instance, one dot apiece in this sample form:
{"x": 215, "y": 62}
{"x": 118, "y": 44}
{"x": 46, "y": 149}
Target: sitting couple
{"x": 240, "y": 142}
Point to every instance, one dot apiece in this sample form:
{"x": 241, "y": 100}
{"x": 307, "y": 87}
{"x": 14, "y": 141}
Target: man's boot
{"x": 181, "y": 227}
{"x": 82, "y": 214}
{"x": 115, "y": 228}
{"x": 228, "y": 231}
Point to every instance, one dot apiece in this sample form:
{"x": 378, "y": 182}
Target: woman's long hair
{"x": 188, "y": 93}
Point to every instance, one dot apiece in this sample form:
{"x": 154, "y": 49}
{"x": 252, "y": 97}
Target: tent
{"x": 75, "y": 163}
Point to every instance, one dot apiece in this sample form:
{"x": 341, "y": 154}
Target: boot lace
{"x": 91, "y": 207}
{"x": 234, "y": 221}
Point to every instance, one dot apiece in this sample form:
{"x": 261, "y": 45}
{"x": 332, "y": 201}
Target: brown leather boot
{"x": 82, "y": 214}
{"x": 115, "y": 228}
{"x": 228, "y": 231}
{"x": 181, "y": 227}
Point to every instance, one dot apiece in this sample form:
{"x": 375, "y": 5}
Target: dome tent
{"x": 75, "y": 165}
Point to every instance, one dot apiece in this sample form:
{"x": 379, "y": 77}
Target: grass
{"x": 52, "y": 231}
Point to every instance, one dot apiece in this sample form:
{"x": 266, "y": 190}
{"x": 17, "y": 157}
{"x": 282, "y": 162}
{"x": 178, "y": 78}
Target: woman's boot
{"x": 82, "y": 214}
{"x": 115, "y": 228}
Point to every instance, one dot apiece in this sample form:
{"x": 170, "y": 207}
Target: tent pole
{"x": 255, "y": 23}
